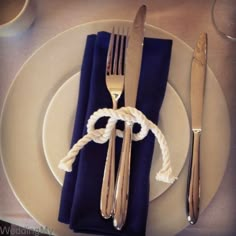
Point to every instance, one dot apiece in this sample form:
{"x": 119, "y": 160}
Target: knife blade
{"x": 198, "y": 74}
{"x": 133, "y": 61}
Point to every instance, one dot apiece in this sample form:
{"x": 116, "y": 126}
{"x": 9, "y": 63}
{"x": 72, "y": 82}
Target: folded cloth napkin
{"x": 80, "y": 198}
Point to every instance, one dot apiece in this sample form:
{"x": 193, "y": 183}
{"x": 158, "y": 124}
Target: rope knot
{"x": 102, "y": 135}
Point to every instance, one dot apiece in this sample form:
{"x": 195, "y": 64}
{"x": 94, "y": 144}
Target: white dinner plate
{"x": 22, "y": 122}
{"x": 58, "y": 127}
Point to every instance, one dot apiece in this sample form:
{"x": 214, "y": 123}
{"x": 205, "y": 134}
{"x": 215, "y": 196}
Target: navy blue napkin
{"x": 80, "y": 197}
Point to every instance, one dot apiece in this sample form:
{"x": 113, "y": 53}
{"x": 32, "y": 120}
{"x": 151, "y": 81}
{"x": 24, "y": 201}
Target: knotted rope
{"x": 102, "y": 135}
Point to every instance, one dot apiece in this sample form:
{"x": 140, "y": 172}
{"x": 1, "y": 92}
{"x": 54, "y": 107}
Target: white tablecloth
{"x": 183, "y": 18}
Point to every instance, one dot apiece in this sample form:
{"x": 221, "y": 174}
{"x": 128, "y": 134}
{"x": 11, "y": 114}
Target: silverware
{"x": 198, "y": 74}
{"x": 115, "y": 85}
{"x": 132, "y": 70}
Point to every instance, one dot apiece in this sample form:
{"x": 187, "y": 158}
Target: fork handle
{"x": 122, "y": 182}
{"x": 107, "y": 191}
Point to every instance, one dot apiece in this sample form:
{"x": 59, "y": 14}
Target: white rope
{"x": 127, "y": 114}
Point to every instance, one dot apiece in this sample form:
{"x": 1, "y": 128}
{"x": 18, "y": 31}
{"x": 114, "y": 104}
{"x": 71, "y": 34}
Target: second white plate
{"x": 59, "y": 121}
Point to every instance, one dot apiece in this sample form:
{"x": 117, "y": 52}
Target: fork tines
{"x": 116, "y": 53}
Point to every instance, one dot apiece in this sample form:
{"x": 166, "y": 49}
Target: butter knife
{"x": 132, "y": 71}
{"x": 198, "y": 74}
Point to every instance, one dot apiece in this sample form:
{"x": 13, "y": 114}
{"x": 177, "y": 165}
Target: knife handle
{"x": 107, "y": 191}
{"x": 122, "y": 182}
{"x": 193, "y": 186}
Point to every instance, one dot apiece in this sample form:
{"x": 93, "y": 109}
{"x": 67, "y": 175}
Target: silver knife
{"x": 198, "y": 74}
{"x": 133, "y": 60}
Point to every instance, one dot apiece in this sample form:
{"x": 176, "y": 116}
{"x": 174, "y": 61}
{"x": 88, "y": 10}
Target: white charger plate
{"x": 22, "y": 121}
{"x": 58, "y": 127}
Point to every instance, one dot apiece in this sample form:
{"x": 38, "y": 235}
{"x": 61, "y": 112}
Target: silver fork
{"x": 115, "y": 84}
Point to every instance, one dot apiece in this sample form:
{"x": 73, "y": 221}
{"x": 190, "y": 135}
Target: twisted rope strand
{"x": 127, "y": 114}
